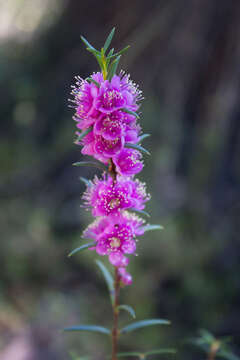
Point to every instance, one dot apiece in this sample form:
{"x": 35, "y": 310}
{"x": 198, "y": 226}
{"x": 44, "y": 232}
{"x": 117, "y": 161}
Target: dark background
{"x": 185, "y": 55}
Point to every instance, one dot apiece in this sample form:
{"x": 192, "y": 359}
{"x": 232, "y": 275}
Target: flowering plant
{"x": 106, "y": 113}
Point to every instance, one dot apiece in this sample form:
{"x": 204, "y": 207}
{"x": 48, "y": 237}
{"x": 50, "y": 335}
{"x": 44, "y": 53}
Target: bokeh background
{"x": 185, "y": 55}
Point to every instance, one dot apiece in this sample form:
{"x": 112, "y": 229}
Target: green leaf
{"x": 143, "y": 323}
{"x": 109, "y": 40}
{"x": 142, "y": 137}
{"x": 109, "y": 56}
{"x": 119, "y": 53}
{"x": 97, "y": 55}
{"x": 124, "y": 354}
{"x": 93, "y": 81}
{"x": 108, "y": 278}
{"x": 93, "y": 51}
{"x": 88, "y": 45}
{"x": 161, "y": 351}
{"x": 81, "y": 248}
{"x": 110, "y": 53}
{"x": 144, "y": 355}
{"x": 84, "y": 133}
{"x": 113, "y": 68}
{"x": 123, "y": 50}
{"x": 207, "y": 336}
{"x": 91, "y": 163}
{"x": 137, "y": 147}
{"x": 92, "y": 328}
{"x": 152, "y": 227}
{"x": 141, "y": 212}
{"x": 130, "y": 112}
{"x": 129, "y": 309}
{"x": 99, "y": 60}
{"x": 85, "y": 181}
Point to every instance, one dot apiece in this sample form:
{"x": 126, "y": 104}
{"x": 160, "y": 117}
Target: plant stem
{"x": 213, "y": 350}
{"x": 112, "y": 170}
{"x": 115, "y": 316}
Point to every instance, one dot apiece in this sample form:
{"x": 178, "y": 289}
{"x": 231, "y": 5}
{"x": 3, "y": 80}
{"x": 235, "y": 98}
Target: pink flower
{"x": 103, "y": 149}
{"x": 110, "y": 126}
{"x": 85, "y": 95}
{"x": 100, "y": 105}
{"x": 108, "y": 148}
{"x": 91, "y": 101}
{"x": 128, "y": 162}
{"x": 115, "y": 236}
{"x": 118, "y": 93}
{"x": 125, "y": 277}
{"x": 107, "y": 197}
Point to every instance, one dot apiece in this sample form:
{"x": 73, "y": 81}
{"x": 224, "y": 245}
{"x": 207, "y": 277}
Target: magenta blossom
{"x": 117, "y": 124}
{"x": 128, "y": 162}
{"x": 92, "y": 101}
{"x": 102, "y": 147}
{"x": 125, "y": 277}
{"x": 115, "y": 236}
{"x": 107, "y": 197}
{"x": 110, "y": 126}
{"x": 85, "y": 95}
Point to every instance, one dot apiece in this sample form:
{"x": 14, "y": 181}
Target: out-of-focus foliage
{"x": 214, "y": 348}
{"x": 185, "y": 55}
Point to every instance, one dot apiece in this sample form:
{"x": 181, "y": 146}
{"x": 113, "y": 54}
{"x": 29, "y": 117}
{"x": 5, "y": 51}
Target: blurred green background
{"x": 185, "y": 56}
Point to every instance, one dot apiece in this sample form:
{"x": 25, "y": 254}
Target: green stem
{"x": 115, "y": 332}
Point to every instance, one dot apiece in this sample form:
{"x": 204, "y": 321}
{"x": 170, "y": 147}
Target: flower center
{"x": 106, "y": 121}
{"x": 114, "y": 203}
{"x": 115, "y": 242}
{"x": 111, "y": 98}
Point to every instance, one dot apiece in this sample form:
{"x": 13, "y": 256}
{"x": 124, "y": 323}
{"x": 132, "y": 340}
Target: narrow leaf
{"x": 109, "y": 56}
{"x": 143, "y": 323}
{"x": 87, "y": 44}
{"x": 113, "y": 68}
{"x": 93, "y": 81}
{"x": 129, "y": 309}
{"x": 152, "y": 227}
{"x": 161, "y": 351}
{"x": 80, "y": 248}
{"x": 137, "y": 147}
{"x": 92, "y": 328}
{"x": 110, "y": 53}
{"x": 85, "y": 181}
{"x": 141, "y": 212}
{"x": 207, "y": 336}
{"x": 124, "y": 354}
{"x": 123, "y": 50}
{"x": 99, "y": 60}
{"x": 93, "y": 51}
{"x": 84, "y": 133}
{"x": 97, "y": 56}
{"x": 108, "y": 278}
{"x": 109, "y": 40}
{"x": 91, "y": 163}
{"x": 130, "y": 112}
{"x": 120, "y": 52}
{"x": 142, "y": 137}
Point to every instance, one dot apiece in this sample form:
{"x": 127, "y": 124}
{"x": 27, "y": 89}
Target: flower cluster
{"x": 107, "y": 197}
{"x": 106, "y": 106}
{"x": 115, "y": 236}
